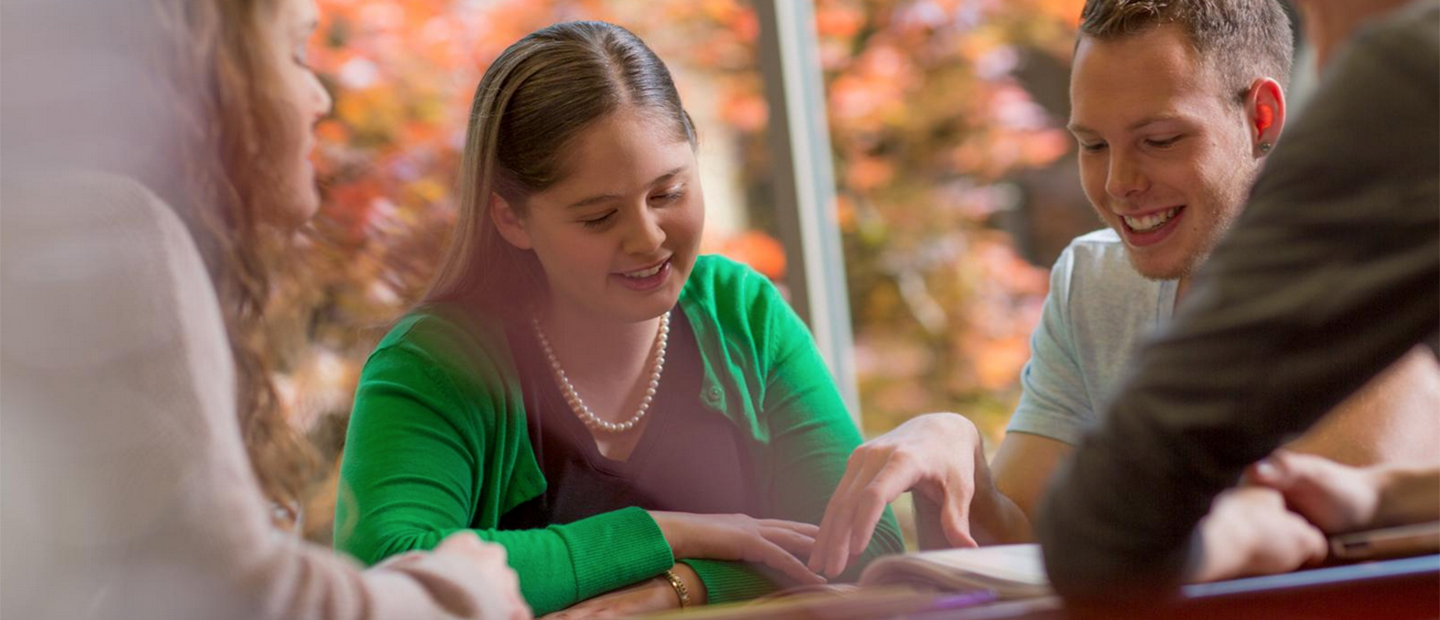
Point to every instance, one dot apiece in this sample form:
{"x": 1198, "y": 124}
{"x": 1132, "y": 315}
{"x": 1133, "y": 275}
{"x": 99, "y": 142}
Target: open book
{"x": 1017, "y": 571}
{"x": 1010, "y": 571}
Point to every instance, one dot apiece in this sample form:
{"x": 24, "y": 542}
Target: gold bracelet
{"x": 680, "y": 589}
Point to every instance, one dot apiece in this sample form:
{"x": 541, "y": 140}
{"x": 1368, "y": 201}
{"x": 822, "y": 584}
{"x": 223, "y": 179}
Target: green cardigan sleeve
{"x": 425, "y": 458}
{"x": 808, "y": 431}
{"x": 811, "y": 432}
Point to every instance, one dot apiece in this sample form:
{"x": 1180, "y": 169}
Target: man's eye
{"x": 1092, "y": 146}
{"x": 1163, "y": 142}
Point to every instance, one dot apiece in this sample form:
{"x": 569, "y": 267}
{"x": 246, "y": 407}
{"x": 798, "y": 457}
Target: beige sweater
{"x": 126, "y": 490}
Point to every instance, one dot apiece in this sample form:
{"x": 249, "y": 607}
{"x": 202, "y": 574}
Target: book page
{"x": 1011, "y": 571}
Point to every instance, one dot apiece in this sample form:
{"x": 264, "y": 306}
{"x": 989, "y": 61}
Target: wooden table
{"x": 1405, "y": 589}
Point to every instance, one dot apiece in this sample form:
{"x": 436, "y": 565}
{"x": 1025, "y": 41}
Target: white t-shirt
{"x": 1097, "y": 314}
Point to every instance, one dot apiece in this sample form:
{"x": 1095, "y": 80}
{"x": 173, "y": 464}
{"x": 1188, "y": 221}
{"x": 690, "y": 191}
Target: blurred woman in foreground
{"x": 153, "y": 151}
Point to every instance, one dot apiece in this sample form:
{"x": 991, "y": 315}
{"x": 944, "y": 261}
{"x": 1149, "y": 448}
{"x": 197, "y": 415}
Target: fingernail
{"x": 1265, "y": 469}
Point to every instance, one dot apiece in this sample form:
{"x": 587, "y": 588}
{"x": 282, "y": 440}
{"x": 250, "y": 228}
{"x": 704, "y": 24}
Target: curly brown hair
{"x": 238, "y": 134}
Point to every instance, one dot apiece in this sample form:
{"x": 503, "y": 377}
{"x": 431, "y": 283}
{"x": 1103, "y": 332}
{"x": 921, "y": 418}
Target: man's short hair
{"x": 1241, "y": 39}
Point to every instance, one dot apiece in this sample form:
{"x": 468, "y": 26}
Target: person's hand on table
{"x": 1336, "y": 498}
{"x": 1340, "y": 499}
{"x": 773, "y": 542}
{"x": 938, "y": 455}
{"x": 651, "y": 595}
{"x": 1250, "y": 532}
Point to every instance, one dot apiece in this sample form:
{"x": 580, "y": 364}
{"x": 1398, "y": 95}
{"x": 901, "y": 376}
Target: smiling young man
{"x": 1328, "y": 278}
{"x": 1175, "y": 106}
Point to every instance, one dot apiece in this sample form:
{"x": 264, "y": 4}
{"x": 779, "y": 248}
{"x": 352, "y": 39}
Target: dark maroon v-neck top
{"x": 689, "y": 459}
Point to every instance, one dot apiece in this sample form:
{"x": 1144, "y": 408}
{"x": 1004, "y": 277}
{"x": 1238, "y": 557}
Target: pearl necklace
{"x": 572, "y": 397}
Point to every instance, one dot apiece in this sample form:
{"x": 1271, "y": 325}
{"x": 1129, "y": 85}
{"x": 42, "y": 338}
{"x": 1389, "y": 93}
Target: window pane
{"x": 957, "y": 188}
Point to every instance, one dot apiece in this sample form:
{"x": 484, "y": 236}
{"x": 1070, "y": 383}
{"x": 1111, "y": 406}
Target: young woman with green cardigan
{"x": 639, "y": 426}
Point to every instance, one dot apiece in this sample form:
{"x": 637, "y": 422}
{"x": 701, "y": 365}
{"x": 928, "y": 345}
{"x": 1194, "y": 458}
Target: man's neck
{"x": 1181, "y": 286}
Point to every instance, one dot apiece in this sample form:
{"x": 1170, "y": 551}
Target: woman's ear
{"x": 1265, "y": 111}
{"x": 509, "y": 223}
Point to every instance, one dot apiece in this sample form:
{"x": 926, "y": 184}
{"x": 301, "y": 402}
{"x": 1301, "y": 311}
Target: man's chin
{"x": 1162, "y": 270}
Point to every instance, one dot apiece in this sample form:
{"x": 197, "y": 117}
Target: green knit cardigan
{"x": 438, "y": 443}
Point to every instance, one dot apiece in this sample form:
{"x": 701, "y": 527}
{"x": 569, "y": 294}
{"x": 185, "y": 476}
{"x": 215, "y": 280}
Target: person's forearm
{"x": 1408, "y": 495}
{"x": 558, "y": 566}
{"x": 995, "y": 519}
{"x": 998, "y": 520}
{"x": 1391, "y": 420}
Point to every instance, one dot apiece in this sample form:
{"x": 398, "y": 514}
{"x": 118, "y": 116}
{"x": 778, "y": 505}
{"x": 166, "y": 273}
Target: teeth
{"x": 646, "y": 273}
{"x": 1149, "y": 222}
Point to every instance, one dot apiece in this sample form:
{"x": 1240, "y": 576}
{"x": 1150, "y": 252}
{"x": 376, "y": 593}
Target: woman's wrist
{"x": 670, "y": 527}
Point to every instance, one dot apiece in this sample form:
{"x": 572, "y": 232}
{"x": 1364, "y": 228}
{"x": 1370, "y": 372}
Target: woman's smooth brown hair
{"x": 533, "y": 102}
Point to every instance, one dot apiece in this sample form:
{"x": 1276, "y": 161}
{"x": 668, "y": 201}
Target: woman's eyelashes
{"x": 670, "y": 195}
{"x": 597, "y": 222}
{"x": 665, "y": 198}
